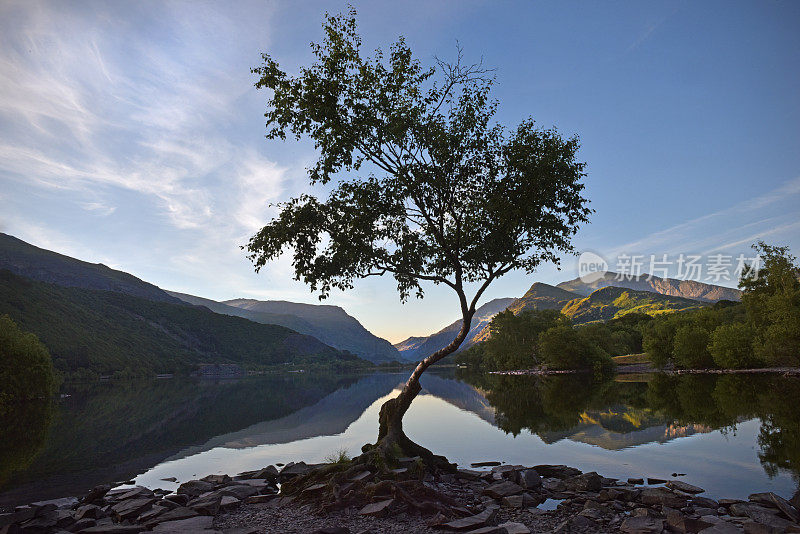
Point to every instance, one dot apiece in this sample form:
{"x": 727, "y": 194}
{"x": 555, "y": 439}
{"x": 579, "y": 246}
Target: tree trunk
{"x": 392, "y": 441}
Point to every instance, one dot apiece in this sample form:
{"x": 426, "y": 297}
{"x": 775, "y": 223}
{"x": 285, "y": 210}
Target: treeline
{"x": 547, "y": 338}
{"x": 761, "y": 331}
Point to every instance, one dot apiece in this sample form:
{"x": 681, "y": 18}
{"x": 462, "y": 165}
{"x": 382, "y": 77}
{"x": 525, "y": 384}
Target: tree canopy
{"x": 425, "y": 185}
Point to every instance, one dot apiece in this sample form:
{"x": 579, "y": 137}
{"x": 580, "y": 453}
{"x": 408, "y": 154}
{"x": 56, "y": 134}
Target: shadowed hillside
{"x": 611, "y": 302}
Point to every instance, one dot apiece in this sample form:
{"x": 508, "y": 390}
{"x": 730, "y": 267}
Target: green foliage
{"x": 565, "y": 347}
{"x": 514, "y": 338}
{"x": 613, "y": 302}
{"x": 339, "y": 456}
{"x": 772, "y": 300}
{"x": 446, "y": 194}
{"x": 26, "y": 370}
{"x": 690, "y": 348}
{"x": 91, "y": 333}
{"x": 731, "y": 346}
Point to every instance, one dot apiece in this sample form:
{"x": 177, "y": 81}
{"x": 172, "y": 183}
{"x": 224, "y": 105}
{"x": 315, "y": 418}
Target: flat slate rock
{"x": 472, "y": 522}
{"x": 376, "y": 508}
{"x": 503, "y": 489}
{"x": 484, "y": 464}
{"x": 114, "y": 529}
{"x": 515, "y": 528}
{"x": 130, "y": 508}
{"x": 684, "y": 487}
{"x": 193, "y": 524}
{"x": 642, "y": 525}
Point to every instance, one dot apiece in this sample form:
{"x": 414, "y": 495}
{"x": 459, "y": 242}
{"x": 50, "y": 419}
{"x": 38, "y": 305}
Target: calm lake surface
{"x": 731, "y": 434}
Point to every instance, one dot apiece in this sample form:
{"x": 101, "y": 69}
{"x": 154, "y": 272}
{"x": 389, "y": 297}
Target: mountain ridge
{"x": 665, "y": 286}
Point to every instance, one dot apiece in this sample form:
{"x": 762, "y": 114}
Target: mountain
{"x": 106, "y": 331}
{"x": 26, "y": 260}
{"x": 610, "y": 302}
{"x": 416, "y": 348}
{"x": 666, "y": 286}
{"x": 540, "y": 296}
{"x": 330, "y": 324}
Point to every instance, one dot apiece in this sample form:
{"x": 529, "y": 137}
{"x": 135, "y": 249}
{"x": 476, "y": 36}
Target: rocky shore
{"x": 493, "y": 499}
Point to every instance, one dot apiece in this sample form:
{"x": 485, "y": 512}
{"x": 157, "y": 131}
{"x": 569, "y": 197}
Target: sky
{"x": 131, "y": 133}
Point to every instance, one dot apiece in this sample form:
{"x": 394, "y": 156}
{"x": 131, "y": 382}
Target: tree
{"x": 513, "y": 343}
{"x": 690, "y": 348}
{"x": 26, "y": 370}
{"x": 772, "y": 299}
{"x": 731, "y": 346}
{"x": 565, "y": 347}
{"x": 424, "y": 185}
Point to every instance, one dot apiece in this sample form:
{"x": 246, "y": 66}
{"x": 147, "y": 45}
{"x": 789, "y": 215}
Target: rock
{"x": 257, "y": 499}
{"x": 206, "y": 504}
{"x": 113, "y": 529}
{"x": 173, "y": 515}
{"x": 314, "y": 488}
{"x": 134, "y": 493}
{"x": 151, "y": 514}
{"x": 216, "y": 479}
{"x": 655, "y": 480}
{"x": 760, "y": 514}
{"x": 240, "y": 530}
{"x": 532, "y": 500}
{"x": 91, "y": 511}
{"x": 269, "y": 473}
{"x": 722, "y": 527}
{"x": 635, "y": 481}
{"x": 227, "y": 502}
{"x": 195, "y": 488}
{"x": 762, "y": 498}
{"x": 331, "y": 530}
{"x": 82, "y": 524}
{"x": 642, "y": 525}
{"x": 751, "y": 527}
{"x": 377, "y": 508}
{"x": 502, "y": 489}
{"x": 482, "y": 519}
{"x": 178, "y": 498}
{"x": 574, "y": 523}
{"x": 556, "y": 471}
{"x": 684, "y": 487}
{"x": 591, "y": 513}
{"x": 701, "y": 511}
{"x": 468, "y": 474}
{"x": 240, "y": 491}
{"x": 363, "y": 475}
{"x": 130, "y": 508}
{"x": 585, "y": 482}
{"x": 188, "y": 526}
{"x": 786, "y": 507}
{"x": 728, "y": 502}
{"x": 680, "y": 523}
{"x": 292, "y": 470}
{"x": 97, "y": 493}
{"x": 704, "y": 502}
{"x": 170, "y": 479}
{"x": 489, "y": 530}
{"x": 515, "y": 528}
{"x": 484, "y": 464}
{"x": 512, "y": 501}
{"x": 651, "y": 496}
{"x": 553, "y": 484}
{"x": 530, "y": 479}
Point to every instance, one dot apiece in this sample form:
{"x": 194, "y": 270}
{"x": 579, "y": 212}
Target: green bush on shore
{"x": 26, "y": 369}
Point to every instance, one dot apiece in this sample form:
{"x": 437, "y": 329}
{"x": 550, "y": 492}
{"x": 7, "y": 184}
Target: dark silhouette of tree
{"x": 424, "y": 184}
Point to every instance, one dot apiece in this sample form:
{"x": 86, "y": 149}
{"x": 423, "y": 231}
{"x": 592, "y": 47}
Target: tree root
{"x": 374, "y": 476}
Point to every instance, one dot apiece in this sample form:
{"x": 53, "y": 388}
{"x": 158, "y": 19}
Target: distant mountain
{"x": 27, "y": 260}
{"x": 107, "y": 331}
{"x": 330, "y": 324}
{"x": 417, "y": 348}
{"x": 666, "y": 286}
{"x": 610, "y": 302}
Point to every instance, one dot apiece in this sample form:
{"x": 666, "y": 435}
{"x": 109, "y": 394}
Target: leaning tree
{"x": 423, "y": 185}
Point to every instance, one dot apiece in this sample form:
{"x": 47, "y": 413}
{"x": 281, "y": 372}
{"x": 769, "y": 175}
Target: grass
{"x": 631, "y": 359}
{"x": 339, "y": 456}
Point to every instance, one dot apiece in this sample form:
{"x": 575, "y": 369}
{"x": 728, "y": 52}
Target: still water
{"x": 731, "y": 434}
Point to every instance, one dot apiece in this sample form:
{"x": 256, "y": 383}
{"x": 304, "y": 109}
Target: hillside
{"x": 330, "y": 324}
{"x": 539, "y": 296}
{"x": 612, "y": 302}
{"x": 106, "y": 331}
{"x": 688, "y": 289}
{"x": 24, "y": 259}
{"x": 416, "y": 348}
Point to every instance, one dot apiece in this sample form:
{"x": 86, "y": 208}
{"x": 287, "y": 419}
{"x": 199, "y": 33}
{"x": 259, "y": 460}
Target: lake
{"x": 730, "y": 434}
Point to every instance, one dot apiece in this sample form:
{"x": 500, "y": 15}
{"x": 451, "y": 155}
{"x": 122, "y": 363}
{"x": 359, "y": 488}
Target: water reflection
{"x": 742, "y": 430}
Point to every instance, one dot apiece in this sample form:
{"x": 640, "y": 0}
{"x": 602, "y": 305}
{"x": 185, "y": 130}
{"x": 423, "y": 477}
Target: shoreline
{"x": 638, "y": 369}
{"x": 494, "y": 498}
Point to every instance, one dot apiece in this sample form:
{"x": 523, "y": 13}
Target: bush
{"x": 731, "y": 346}
{"x": 26, "y": 370}
{"x": 690, "y": 348}
{"x": 564, "y": 347}
{"x": 513, "y": 341}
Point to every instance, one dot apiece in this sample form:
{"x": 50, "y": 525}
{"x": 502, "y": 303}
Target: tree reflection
{"x": 25, "y": 426}
{"x": 683, "y": 403}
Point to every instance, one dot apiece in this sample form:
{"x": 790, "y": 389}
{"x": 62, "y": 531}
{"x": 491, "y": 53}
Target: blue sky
{"x": 131, "y": 134}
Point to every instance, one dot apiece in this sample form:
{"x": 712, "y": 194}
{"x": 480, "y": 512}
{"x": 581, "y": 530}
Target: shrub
{"x": 731, "y": 346}
{"x": 690, "y": 348}
{"x": 564, "y": 347}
